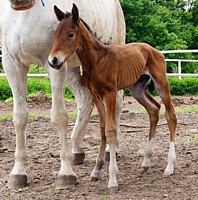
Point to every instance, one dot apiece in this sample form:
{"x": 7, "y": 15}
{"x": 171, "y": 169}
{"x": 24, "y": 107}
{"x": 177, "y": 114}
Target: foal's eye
{"x": 71, "y": 35}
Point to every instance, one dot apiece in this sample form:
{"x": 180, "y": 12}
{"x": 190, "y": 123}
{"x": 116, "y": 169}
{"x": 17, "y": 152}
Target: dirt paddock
{"x": 43, "y": 156}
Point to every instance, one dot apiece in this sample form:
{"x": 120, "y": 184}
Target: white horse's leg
{"x": 59, "y": 118}
{"x": 85, "y": 105}
{"x": 17, "y": 77}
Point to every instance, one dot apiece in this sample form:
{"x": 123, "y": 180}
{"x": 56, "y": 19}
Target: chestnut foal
{"x": 107, "y": 69}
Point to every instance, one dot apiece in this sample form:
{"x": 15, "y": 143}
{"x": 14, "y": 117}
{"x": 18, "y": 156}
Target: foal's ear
{"x": 75, "y": 14}
{"x": 59, "y": 14}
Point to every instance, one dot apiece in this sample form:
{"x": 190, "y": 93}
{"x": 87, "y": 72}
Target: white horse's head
{"x": 22, "y": 4}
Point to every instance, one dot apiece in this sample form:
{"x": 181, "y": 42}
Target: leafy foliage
{"x": 178, "y": 87}
{"x": 184, "y": 86}
{"x": 166, "y": 25}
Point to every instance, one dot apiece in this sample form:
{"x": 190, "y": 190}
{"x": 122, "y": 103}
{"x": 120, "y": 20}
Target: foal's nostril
{"x": 55, "y": 61}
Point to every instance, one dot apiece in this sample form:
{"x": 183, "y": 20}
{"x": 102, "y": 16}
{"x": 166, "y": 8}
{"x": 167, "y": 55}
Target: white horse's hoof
{"x": 63, "y": 181}
{"x": 78, "y": 158}
{"x": 113, "y": 190}
{"x": 17, "y": 181}
{"x": 166, "y": 173}
{"x": 92, "y": 178}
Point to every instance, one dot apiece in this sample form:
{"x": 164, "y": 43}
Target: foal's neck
{"x": 90, "y": 50}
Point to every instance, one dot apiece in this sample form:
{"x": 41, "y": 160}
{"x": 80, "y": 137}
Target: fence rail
{"x": 179, "y": 64}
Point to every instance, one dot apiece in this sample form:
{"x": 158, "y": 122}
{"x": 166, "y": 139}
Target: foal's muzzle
{"x": 55, "y": 64}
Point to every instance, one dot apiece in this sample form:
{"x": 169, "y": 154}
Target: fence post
{"x": 179, "y": 68}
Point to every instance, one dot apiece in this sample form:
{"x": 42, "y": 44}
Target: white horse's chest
{"x": 31, "y": 41}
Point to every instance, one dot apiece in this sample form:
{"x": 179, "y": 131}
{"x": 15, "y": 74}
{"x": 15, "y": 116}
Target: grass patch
{"x": 10, "y": 117}
{"x": 162, "y": 110}
{"x": 6, "y": 117}
{"x": 72, "y": 115}
{"x": 187, "y": 110}
{"x": 194, "y": 137}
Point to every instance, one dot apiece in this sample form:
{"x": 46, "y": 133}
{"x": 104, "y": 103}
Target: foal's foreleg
{"x": 100, "y": 158}
{"x": 17, "y": 77}
{"x": 84, "y": 101}
{"x": 119, "y": 106}
{"x": 59, "y": 119}
{"x": 111, "y": 137}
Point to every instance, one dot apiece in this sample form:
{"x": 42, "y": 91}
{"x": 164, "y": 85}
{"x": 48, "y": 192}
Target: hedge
{"x": 185, "y": 86}
{"x": 34, "y": 85}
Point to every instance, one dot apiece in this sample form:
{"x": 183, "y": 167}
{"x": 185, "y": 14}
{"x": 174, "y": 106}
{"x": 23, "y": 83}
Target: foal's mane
{"x": 69, "y": 14}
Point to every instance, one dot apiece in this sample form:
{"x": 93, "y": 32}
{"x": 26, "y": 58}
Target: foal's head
{"x": 67, "y": 38}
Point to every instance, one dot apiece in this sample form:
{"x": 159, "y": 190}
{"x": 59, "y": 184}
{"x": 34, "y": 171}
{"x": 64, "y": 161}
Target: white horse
{"x": 26, "y": 34}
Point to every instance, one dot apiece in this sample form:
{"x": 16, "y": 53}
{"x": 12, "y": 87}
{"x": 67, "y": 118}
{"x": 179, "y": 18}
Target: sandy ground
{"x": 43, "y": 156}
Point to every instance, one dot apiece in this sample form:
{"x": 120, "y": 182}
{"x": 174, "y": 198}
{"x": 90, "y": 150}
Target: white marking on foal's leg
{"x": 99, "y": 162}
{"x": 113, "y": 169}
{"x": 95, "y": 174}
{"x": 148, "y": 153}
{"x": 171, "y": 159}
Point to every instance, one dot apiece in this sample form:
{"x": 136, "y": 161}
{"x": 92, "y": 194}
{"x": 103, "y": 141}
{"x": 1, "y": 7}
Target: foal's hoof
{"x": 17, "y": 181}
{"x": 63, "y": 181}
{"x": 113, "y": 190}
{"x": 145, "y": 169}
{"x": 107, "y": 156}
{"x": 78, "y": 158}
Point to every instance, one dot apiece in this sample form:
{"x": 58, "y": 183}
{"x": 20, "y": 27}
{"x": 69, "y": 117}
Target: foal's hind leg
{"x": 152, "y": 107}
{"x": 85, "y": 104}
{"x": 162, "y": 88}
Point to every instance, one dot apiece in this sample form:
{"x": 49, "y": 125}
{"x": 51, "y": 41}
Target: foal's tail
{"x": 147, "y": 81}
{"x": 150, "y": 85}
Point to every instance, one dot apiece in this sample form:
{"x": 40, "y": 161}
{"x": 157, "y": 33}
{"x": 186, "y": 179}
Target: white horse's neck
{"x": 29, "y": 33}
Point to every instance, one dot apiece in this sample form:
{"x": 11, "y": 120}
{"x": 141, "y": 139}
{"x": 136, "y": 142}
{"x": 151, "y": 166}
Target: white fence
{"x": 179, "y": 64}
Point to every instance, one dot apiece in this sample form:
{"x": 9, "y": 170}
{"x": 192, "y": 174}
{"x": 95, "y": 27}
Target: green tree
{"x": 164, "y": 24}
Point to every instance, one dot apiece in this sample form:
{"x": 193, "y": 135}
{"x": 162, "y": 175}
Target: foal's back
{"x": 135, "y": 59}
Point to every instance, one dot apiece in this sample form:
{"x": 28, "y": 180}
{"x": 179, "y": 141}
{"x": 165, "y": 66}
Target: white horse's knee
{"x": 59, "y": 118}
{"x": 20, "y": 118}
